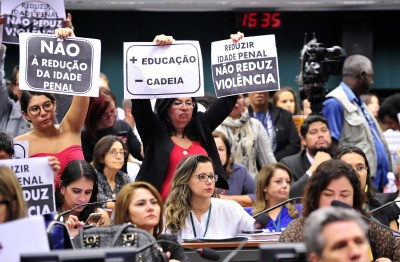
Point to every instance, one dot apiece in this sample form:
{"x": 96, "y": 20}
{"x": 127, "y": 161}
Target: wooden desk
{"x": 249, "y": 253}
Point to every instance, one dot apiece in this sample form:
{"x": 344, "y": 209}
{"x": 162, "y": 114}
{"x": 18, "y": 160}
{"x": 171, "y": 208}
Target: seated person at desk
{"x": 192, "y": 211}
{"x": 141, "y": 204}
{"x": 355, "y": 157}
{"x": 12, "y": 202}
{"x": 337, "y": 180}
{"x": 273, "y": 186}
{"x": 108, "y": 158}
{"x": 241, "y": 185}
{"x": 78, "y": 185}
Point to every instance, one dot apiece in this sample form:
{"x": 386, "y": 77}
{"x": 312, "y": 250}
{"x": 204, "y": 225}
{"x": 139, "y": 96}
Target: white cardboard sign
{"x": 21, "y": 149}
{"x": 50, "y": 64}
{"x": 250, "y": 65}
{"x": 174, "y": 70}
{"x": 37, "y": 182}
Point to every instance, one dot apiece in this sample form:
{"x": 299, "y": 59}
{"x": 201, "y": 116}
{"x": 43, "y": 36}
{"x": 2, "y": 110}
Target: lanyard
{"x": 208, "y": 220}
{"x": 278, "y": 225}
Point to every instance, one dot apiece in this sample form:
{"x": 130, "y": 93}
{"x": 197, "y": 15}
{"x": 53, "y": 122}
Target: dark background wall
{"x": 115, "y": 27}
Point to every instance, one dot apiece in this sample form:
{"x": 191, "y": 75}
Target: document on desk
{"x": 202, "y": 239}
{"x": 264, "y": 236}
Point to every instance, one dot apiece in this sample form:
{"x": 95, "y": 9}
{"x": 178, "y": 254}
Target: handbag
{"x": 126, "y": 235}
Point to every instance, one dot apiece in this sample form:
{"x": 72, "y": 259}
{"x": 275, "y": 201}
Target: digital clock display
{"x": 258, "y": 20}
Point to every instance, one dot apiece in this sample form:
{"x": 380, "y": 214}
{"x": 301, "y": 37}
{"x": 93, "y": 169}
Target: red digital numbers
{"x": 259, "y": 20}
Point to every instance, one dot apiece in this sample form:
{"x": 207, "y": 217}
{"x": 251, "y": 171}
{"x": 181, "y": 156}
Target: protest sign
{"x": 29, "y": 16}
{"x": 250, "y": 65}
{"x": 21, "y": 149}
{"x": 50, "y": 64}
{"x": 174, "y": 70}
{"x": 37, "y": 182}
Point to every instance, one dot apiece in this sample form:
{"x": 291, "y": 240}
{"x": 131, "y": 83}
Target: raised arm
{"x": 3, "y": 87}
{"x": 75, "y": 117}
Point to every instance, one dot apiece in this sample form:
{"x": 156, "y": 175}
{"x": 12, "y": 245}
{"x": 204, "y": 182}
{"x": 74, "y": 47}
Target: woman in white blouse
{"x": 192, "y": 211}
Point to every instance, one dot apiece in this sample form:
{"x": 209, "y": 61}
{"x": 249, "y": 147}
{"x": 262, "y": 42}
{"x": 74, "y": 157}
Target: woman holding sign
{"x": 176, "y": 131}
{"x": 62, "y": 141}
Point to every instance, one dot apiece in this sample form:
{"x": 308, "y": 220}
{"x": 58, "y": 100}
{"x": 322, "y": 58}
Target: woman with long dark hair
{"x": 356, "y": 158}
{"x": 176, "y": 131}
{"x": 337, "y": 180}
{"x": 78, "y": 185}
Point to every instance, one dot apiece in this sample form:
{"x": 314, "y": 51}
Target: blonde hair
{"x": 11, "y": 191}
{"x": 178, "y": 204}
{"x": 263, "y": 180}
{"x": 275, "y": 98}
{"x": 124, "y": 199}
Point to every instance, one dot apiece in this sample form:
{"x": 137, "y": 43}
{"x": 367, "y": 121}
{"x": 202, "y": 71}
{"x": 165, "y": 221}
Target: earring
{"x": 366, "y": 188}
{"x": 266, "y": 196}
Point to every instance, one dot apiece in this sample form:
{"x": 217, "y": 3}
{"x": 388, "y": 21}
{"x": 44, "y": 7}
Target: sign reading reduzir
{"x": 250, "y": 65}
{"x": 36, "y": 179}
{"x": 174, "y": 70}
{"x": 27, "y": 16}
{"x": 50, "y": 64}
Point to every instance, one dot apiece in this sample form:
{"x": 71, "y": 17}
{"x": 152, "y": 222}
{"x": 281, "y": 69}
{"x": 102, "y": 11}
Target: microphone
{"x": 337, "y": 203}
{"x": 276, "y": 206}
{"x": 57, "y": 216}
{"x": 261, "y": 221}
{"x": 376, "y": 210}
{"x": 206, "y": 253}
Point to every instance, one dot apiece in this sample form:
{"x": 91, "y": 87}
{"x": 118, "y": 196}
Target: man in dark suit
{"x": 316, "y": 138}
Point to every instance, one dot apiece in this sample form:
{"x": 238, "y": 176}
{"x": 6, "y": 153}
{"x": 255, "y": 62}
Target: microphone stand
{"x": 58, "y": 216}
{"x": 376, "y": 210}
{"x": 276, "y": 206}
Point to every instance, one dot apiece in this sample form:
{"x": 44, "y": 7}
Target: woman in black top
{"x": 356, "y": 158}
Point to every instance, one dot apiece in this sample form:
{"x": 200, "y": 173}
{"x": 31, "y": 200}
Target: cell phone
{"x": 94, "y": 218}
{"x": 252, "y": 232}
{"x": 123, "y": 133}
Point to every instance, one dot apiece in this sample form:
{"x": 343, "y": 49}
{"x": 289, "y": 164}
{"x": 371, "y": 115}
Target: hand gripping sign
{"x": 250, "y": 65}
{"x": 174, "y": 70}
{"x": 50, "y": 64}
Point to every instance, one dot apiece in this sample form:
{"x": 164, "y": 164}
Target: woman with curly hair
{"x": 337, "y": 180}
{"x": 192, "y": 211}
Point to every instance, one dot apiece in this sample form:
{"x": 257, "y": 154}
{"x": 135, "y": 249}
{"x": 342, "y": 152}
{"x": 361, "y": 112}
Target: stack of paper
{"x": 264, "y": 236}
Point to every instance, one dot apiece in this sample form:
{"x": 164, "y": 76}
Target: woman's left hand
{"x": 73, "y": 225}
{"x": 55, "y": 165}
{"x": 163, "y": 39}
{"x": 236, "y": 37}
{"x": 171, "y": 260}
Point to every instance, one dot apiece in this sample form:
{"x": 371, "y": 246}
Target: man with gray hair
{"x": 334, "y": 234}
{"x": 352, "y": 123}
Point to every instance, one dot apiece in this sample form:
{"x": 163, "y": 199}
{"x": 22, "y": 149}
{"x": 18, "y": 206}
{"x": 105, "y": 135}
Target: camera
{"x": 317, "y": 64}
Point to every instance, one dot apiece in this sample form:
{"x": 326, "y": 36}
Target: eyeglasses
{"x": 204, "y": 177}
{"x": 179, "y": 104}
{"x": 47, "y": 106}
{"x": 114, "y": 153}
{"x": 4, "y": 202}
{"x": 106, "y": 115}
{"x": 360, "y": 168}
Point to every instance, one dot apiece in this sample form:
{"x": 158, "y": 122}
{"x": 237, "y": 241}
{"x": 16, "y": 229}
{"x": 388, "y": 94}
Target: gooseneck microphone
{"x": 276, "y": 206}
{"x": 58, "y": 216}
{"x": 376, "y": 210}
{"x": 206, "y": 253}
{"x": 337, "y": 203}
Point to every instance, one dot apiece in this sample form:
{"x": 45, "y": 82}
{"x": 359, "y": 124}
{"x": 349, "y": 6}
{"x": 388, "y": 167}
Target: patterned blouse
{"x": 382, "y": 241}
{"x": 105, "y": 191}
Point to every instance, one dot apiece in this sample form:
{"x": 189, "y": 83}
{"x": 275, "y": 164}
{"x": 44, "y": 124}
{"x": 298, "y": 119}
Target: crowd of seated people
{"x": 198, "y": 169}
